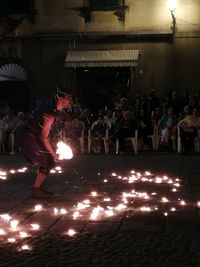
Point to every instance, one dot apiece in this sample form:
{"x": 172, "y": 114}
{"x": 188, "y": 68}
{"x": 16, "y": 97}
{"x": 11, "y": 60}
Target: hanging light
{"x": 172, "y": 4}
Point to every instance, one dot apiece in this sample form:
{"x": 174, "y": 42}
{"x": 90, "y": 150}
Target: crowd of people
{"x": 123, "y": 119}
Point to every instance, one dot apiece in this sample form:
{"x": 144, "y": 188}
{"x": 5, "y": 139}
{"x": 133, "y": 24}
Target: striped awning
{"x": 104, "y": 58}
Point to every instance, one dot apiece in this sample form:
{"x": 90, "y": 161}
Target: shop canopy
{"x": 102, "y": 58}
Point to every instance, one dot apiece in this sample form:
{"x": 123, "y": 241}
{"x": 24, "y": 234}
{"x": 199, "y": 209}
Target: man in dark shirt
{"x": 33, "y": 139}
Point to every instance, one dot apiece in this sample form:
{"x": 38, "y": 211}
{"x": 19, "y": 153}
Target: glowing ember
{"x": 76, "y": 215}
{"x": 165, "y": 214}
{"x": 82, "y": 206}
{"x": 95, "y": 213}
{"x": 107, "y": 199}
{"x": 71, "y": 232}
{"x": 3, "y": 175}
{"x": 23, "y": 234}
{"x": 35, "y": 226}
{"x": 145, "y": 209}
{"x": 5, "y": 217}
{"x": 105, "y": 180}
{"x": 13, "y": 224}
{"x": 63, "y": 211}
{"x": 2, "y": 232}
{"x": 109, "y": 212}
{"x": 94, "y": 194}
{"x": 120, "y": 207}
{"x": 173, "y": 209}
{"x": 21, "y": 170}
{"x": 11, "y": 240}
{"x": 64, "y": 151}
{"x": 38, "y": 207}
{"x": 58, "y": 168}
{"x": 55, "y": 210}
{"x": 165, "y": 178}
{"x": 86, "y": 201}
{"x": 182, "y": 203}
{"x": 25, "y": 247}
{"x": 165, "y": 200}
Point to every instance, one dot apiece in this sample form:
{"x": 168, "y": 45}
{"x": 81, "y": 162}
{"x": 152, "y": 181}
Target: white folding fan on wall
{"x": 13, "y": 72}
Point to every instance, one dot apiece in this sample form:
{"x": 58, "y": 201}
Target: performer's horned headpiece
{"x": 59, "y": 93}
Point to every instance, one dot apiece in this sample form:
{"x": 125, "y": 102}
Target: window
{"x": 103, "y": 3}
{"x": 15, "y": 6}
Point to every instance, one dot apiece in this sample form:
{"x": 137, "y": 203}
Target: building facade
{"x": 167, "y": 40}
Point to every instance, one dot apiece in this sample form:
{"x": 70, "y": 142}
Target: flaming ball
{"x": 64, "y": 151}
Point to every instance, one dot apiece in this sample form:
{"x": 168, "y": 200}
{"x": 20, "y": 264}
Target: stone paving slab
{"x": 149, "y": 222}
{"x": 63, "y": 224}
{"x": 99, "y": 227}
{"x": 183, "y": 222}
{"x": 6, "y": 205}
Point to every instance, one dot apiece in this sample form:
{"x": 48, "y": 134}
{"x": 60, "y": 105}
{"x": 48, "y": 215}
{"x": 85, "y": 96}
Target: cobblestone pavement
{"x": 150, "y": 215}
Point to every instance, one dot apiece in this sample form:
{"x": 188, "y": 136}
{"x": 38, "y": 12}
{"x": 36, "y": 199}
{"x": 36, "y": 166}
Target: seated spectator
{"x": 73, "y": 128}
{"x": 175, "y": 103}
{"x": 125, "y": 128}
{"x": 145, "y": 128}
{"x": 166, "y": 104}
{"x": 98, "y": 130}
{"x": 117, "y": 115}
{"x": 185, "y": 112}
{"x": 21, "y": 115}
{"x": 87, "y": 118}
{"x": 167, "y": 127}
{"x": 110, "y": 117}
{"x": 11, "y": 121}
{"x": 152, "y": 101}
{"x": 189, "y": 129}
{"x": 77, "y": 107}
{"x": 124, "y": 104}
{"x": 1, "y": 122}
{"x": 156, "y": 116}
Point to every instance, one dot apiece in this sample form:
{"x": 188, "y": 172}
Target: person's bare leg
{"x": 38, "y": 191}
{"x": 41, "y": 176}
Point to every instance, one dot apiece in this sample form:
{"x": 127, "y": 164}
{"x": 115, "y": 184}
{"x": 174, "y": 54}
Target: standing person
{"x": 33, "y": 139}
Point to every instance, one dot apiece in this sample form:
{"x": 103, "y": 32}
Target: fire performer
{"x": 34, "y": 142}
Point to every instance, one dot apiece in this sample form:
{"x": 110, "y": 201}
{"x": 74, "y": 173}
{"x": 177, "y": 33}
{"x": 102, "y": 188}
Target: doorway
{"x": 97, "y": 87}
{"x": 16, "y": 94}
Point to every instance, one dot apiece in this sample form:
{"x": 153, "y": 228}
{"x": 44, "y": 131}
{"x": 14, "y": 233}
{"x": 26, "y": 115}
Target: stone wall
{"x": 166, "y": 62}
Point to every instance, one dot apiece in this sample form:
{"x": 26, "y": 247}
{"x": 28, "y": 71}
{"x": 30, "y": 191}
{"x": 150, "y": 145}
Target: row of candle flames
{"x": 98, "y": 211}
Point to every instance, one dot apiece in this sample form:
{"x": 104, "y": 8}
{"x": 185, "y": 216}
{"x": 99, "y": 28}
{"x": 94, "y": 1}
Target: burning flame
{"x": 64, "y": 151}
